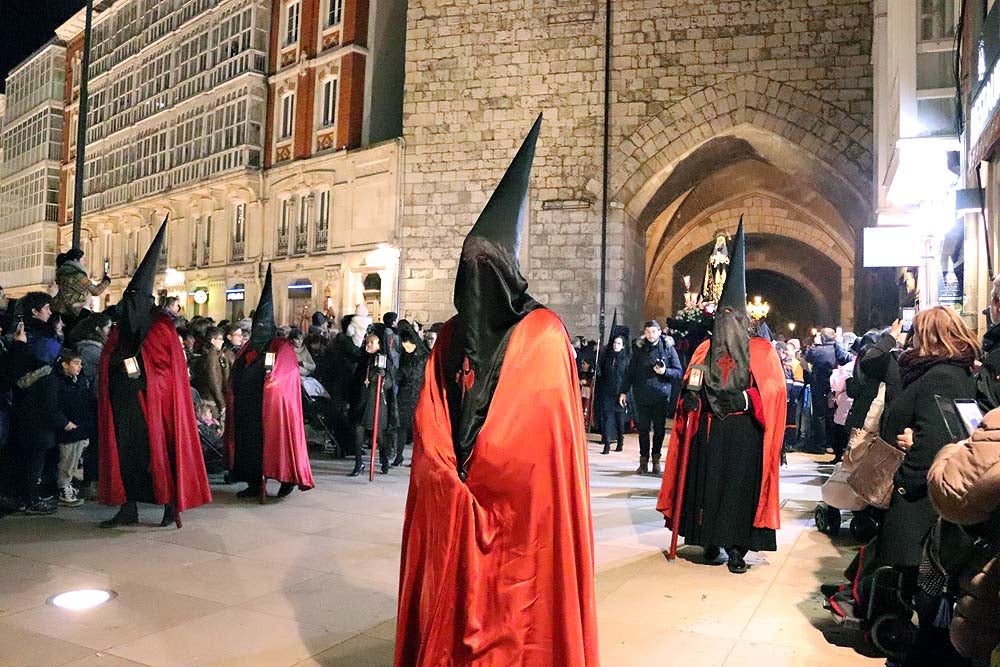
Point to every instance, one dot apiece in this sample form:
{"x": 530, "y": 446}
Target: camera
{"x": 907, "y": 315}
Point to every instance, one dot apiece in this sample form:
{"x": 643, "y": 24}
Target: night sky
{"x": 26, "y": 25}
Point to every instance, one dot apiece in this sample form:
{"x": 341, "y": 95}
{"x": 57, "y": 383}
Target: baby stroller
{"x": 837, "y": 492}
{"x": 316, "y": 404}
{"x": 212, "y": 450}
{"x": 877, "y": 605}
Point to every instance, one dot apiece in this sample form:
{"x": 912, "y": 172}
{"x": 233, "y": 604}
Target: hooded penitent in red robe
{"x": 285, "y": 453}
{"x": 176, "y": 462}
{"x": 498, "y": 571}
{"x": 768, "y": 379}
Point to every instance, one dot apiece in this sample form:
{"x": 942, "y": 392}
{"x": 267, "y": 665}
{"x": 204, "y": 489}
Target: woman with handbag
{"x": 935, "y": 369}
{"x": 938, "y": 364}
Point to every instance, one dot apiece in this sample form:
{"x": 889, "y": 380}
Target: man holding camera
{"x": 650, "y": 375}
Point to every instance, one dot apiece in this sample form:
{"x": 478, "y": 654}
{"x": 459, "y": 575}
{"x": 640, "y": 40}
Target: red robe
{"x": 286, "y": 454}
{"x": 768, "y": 377}
{"x": 499, "y": 571}
{"x": 176, "y": 462}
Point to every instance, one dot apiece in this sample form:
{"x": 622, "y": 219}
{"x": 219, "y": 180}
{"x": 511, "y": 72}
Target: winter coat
{"x": 611, "y": 378}
{"x": 964, "y": 484}
{"x": 337, "y": 368}
{"x": 877, "y": 364}
{"x": 210, "y": 375}
{"x": 838, "y": 388}
{"x": 75, "y": 288}
{"x": 647, "y": 386}
{"x": 411, "y": 380}
{"x": 42, "y": 340}
{"x": 76, "y": 404}
{"x": 988, "y": 378}
{"x": 911, "y": 514}
{"x": 90, "y": 354}
{"x": 306, "y": 363}
{"x": 364, "y": 396}
{"x": 823, "y": 359}
{"x": 35, "y": 414}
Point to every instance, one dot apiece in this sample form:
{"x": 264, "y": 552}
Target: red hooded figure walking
{"x": 149, "y": 446}
{"x": 265, "y": 430}
{"x": 734, "y": 400}
{"x": 497, "y": 563}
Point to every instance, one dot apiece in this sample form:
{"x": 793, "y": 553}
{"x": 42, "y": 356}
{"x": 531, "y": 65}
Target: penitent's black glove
{"x": 690, "y": 401}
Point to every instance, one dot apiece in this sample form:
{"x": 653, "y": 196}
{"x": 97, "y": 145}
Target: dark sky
{"x": 26, "y": 25}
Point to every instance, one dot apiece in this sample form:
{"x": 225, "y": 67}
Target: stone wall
{"x": 478, "y": 71}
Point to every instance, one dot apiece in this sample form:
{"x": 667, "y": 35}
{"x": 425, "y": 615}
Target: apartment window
{"x": 283, "y": 226}
{"x": 329, "y": 102}
{"x": 207, "y": 256}
{"x": 239, "y": 223}
{"x": 936, "y": 20}
{"x": 287, "y": 115}
{"x": 336, "y": 12}
{"x": 323, "y": 220}
{"x": 292, "y": 23}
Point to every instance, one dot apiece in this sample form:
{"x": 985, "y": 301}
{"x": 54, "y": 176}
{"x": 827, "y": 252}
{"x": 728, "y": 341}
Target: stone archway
{"x": 796, "y": 166}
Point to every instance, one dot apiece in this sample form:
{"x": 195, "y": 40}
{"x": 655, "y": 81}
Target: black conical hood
{"x": 264, "y": 328}
{"x": 144, "y": 279}
{"x": 613, "y": 331}
{"x": 502, "y": 220}
{"x": 734, "y": 292}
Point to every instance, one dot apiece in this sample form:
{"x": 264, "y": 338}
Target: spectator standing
{"x": 613, "y": 366}
{"x": 651, "y": 371}
{"x": 234, "y": 341}
{"x": 210, "y": 370}
{"x": 823, "y": 357}
{"x": 75, "y": 286}
{"x": 78, "y": 411}
{"x": 412, "y": 363}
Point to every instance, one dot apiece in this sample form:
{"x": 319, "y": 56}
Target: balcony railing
{"x": 320, "y": 244}
{"x": 238, "y": 250}
{"x": 282, "y": 245}
{"x": 301, "y": 243}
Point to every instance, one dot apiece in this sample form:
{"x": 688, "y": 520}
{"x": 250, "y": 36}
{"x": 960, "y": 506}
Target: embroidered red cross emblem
{"x": 465, "y": 377}
{"x": 727, "y": 365}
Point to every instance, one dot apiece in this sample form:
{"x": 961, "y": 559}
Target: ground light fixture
{"x": 82, "y": 599}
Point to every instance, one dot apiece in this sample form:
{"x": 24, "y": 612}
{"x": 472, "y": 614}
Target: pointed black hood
{"x": 491, "y": 297}
{"x": 264, "y": 329}
{"x": 729, "y": 351}
{"x": 135, "y": 311}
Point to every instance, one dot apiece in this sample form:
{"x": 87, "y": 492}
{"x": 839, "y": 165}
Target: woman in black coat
{"x": 372, "y": 366}
{"x": 611, "y": 377}
{"x": 936, "y": 369}
{"x": 412, "y": 363}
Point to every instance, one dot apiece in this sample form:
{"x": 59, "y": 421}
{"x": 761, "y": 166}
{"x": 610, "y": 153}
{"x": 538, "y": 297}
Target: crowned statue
{"x": 716, "y": 270}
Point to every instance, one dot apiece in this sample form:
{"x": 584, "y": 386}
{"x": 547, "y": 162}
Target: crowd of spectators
{"x": 49, "y": 387}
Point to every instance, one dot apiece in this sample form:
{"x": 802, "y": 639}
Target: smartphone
{"x": 970, "y": 414}
{"x": 107, "y": 266}
{"x": 907, "y": 315}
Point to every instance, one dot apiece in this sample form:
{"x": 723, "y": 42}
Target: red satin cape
{"x": 286, "y": 454}
{"x": 499, "y": 571}
{"x": 765, "y": 374}
{"x": 176, "y": 462}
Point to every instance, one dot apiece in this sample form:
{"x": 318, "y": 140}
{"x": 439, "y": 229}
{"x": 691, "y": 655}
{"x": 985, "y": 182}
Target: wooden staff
{"x": 683, "y": 455}
{"x": 378, "y": 403}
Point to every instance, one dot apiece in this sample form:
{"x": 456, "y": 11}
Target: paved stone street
{"x": 311, "y": 580}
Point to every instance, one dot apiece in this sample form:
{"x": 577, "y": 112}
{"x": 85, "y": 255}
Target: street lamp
{"x": 791, "y": 327}
{"x": 758, "y": 308}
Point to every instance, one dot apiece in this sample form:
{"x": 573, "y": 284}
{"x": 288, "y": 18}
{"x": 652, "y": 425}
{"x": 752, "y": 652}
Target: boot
{"x": 398, "y": 461}
{"x": 128, "y": 515}
{"x": 385, "y": 468}
{"x": 285, "y": 489}
{"x": 252, "y": 491}
{"x": 656, "y": 467}
{"x": 169, "y": 516}
{"x": 607, "y": 449}
{"x": 643, "y": 468}
{"x": 736, "y": 564}
{"x": 621, "y": 444}
{"x": 359, "y": 467}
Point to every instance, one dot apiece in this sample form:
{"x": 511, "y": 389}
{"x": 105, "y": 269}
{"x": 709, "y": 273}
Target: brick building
{"x": 717, "y": 109}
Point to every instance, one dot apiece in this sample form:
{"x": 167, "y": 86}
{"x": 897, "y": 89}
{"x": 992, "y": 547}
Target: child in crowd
{"x": 75, "y": 402}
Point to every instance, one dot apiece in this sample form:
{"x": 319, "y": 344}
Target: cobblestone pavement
{"x": 311, "y": 580}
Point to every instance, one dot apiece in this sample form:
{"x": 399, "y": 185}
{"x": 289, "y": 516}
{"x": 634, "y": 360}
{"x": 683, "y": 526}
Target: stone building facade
{"x": 715, "y": 106}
